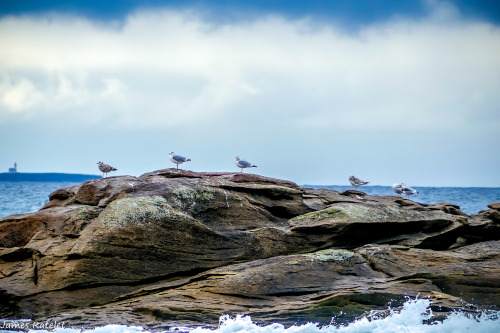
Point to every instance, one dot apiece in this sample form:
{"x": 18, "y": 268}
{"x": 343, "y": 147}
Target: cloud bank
{"x": 173, "y": 70}
{"x": 168, "y": 68}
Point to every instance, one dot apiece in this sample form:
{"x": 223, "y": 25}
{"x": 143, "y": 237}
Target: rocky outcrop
{"x": 176, "y": 247}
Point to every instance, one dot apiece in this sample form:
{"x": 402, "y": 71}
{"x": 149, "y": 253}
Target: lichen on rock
{"x": 86, "y": 212}
{"x": 139, "y": 211}
{"x": 357, "y": 212}
{"x": 327, "y": 213}
{"x": 187, "y": 198}
{"x": 332, "y": 255}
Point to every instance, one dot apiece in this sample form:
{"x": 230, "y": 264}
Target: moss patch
{"x": 86, "y": 213}
{"x": 188, "y": 198}
{"x": 139, "y": 211}
{"x": 328, "y": 213}
{"x": 331, "y": 255}
{"x": 352, "y": 212}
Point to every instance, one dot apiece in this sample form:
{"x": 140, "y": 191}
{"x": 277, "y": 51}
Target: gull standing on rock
{"x": 242, "y": 164}
{"x": 356, "y": 182}
{"x": 407, "y": 190}
{"x": 105, "y": 168}
{"x": 177, "y": 159}
{"x": 398, "y": 189}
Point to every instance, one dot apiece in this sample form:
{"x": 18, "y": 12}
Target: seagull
{"x": 398, "y": 188}
{"x": 243, "y": 164}
{"x": 105, "y": 168}
{"x": 407, "y": 190}
{"x": 177, "y": 159}
{"x": 356, "y": 182}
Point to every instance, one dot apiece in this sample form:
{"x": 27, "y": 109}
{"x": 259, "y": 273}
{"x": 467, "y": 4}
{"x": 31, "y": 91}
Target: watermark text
{"x": 31, "y": 325}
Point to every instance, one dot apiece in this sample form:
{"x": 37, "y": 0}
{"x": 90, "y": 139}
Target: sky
{"x": 309, "y": 91}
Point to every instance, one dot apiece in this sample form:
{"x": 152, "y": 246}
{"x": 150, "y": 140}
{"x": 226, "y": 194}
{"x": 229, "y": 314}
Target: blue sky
{"x": 348, "y": 11}
{"x": 311, "y": 91}
{"x": 356, "y": 10}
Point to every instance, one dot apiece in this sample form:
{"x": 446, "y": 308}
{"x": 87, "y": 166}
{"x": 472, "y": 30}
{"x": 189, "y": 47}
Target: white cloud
{"x": 19, "y": 96}
{"x": 113, "y": 88}
{"x": 168, "y": 68}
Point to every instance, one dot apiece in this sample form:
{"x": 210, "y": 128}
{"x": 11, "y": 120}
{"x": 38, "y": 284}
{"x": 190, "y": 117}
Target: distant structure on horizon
{"x": 14, "y": 176}
{"x": 14, "y": 169}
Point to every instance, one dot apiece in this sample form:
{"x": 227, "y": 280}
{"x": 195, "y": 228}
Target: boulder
{"x": 173, "y": 246}
{"x": 353, "y": 224}
{"x": 314, "y": 286}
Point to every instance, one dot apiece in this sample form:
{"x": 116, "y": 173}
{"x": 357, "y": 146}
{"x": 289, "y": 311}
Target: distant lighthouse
{"x": 14, "y": 169}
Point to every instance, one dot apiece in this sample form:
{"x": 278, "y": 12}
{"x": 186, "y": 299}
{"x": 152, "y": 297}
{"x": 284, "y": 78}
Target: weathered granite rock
{"x": 314, "y": 286}
{"x": 176, "y": 246}
{"x": 350, "y": 224}
{"x": 482, "y": 227}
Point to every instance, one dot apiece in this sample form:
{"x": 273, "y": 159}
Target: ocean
{"x": 27, "y": 197}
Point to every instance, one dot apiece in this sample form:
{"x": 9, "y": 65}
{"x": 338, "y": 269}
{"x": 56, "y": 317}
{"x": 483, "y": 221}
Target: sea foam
{"x": 413, "y": 317}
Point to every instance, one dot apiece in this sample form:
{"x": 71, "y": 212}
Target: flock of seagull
{"x": 399, "y": 189}
{"x": 176, "y": 159}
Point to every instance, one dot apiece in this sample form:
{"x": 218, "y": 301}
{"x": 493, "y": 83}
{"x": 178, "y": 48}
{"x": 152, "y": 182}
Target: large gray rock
{"x": 180, "y": 246}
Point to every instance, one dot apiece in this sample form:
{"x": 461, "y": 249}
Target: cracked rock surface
{"x": 175, "y": 247}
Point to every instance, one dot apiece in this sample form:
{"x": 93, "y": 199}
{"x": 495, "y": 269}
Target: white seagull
{"x": 242, "y": 164}
{"x": 105, "y": 168}
{"x": 407, "y": 190}
{"x": 356, "y": 182}
{"x": 177, "y": 159}
{"x": 398, "y": 188}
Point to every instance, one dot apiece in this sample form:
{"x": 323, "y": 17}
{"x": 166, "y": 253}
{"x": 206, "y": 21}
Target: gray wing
{"x": 408, "y": 189}
{"x": 106, "y": 167}
{"x": 355, "y": 179}
{"x": 178, "y": 158}
{"x": 244, "y": 164}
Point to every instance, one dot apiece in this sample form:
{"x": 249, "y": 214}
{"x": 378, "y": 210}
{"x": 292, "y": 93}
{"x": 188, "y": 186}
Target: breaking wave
{"x": 414, "y": 317}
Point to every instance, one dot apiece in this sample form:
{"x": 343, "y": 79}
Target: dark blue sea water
{"x": 28, "y": 197}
